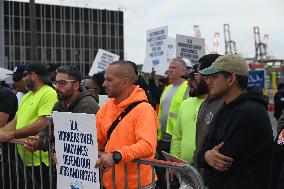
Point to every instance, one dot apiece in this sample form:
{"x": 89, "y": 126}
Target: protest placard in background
{"x": 256, "y": 78}
{"x": 103, "y": 99}
{"x": 6, "y": 75}
{"x": 102, "y": 60}
{"x": 76, "y": 150}
{"x": 191, "y": 48}
{"x": 156, "y": 51}
{"x": 171, "y": 52}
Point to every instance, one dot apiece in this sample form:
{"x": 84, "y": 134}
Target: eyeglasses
{"x": 62, "y": 83}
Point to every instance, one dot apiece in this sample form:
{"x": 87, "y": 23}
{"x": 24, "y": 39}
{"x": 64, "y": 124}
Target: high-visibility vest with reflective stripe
{"x": 180, "y": 95}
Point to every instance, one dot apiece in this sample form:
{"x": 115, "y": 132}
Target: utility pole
{"x": 33, "y": 28}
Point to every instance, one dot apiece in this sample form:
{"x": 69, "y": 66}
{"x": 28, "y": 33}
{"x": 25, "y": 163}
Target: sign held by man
{"x": 76, "y": 150}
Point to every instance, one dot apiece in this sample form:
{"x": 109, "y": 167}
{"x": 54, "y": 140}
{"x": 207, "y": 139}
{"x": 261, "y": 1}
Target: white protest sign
{"x": 6, "y": 75}
{"x": 156, "y": 50}
{"x": 76, "y": 150}
{"x": 102, "y": 60}
{"x": 171, "y": 50}
{"x": 103, "y": 99}
{"x": 191, "y": 48}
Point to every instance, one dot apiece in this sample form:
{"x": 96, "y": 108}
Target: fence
{"x": 15, "y": 174}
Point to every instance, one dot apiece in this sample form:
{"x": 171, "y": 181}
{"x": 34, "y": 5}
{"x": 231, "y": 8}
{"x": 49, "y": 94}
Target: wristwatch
{"x": 116, "y": 156}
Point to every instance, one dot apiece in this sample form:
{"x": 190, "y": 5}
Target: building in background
{"x": 65, "y": 35}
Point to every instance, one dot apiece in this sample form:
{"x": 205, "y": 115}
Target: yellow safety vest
{"x": 178, "y": 98}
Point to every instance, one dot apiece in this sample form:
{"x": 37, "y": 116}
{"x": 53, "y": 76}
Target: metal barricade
{"x": 15, "y": 174}
{"x": 186, "y": 174}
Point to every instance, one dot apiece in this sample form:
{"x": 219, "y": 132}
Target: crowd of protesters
{"x": 203, "y": 114}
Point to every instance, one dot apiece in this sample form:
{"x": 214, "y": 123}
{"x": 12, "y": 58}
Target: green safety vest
{"x": 178, "y": 98}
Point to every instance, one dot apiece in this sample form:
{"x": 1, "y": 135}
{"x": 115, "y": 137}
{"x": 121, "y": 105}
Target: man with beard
{"x": 18, "y": 82}
{"x": 237, "y": 150}
{"x": 183, "y": 136}
{"x": 208, "y": 109}
{"x": 72, "y": 98}
{"x": 126, "y": 129}
{"x": 30, "y": 119}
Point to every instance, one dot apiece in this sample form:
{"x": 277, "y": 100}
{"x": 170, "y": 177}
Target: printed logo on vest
{"x": 280, "y": 140}
{"x": 209, "y": 118}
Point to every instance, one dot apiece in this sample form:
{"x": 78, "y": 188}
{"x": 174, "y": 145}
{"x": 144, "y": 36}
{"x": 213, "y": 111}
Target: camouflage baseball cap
{"x": 232, "y": 63}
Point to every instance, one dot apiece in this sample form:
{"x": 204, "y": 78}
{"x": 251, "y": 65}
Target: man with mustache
{"x": 31, "y": 118}
{"x": 135, "y": 134}
{"x": 183, "y": 137}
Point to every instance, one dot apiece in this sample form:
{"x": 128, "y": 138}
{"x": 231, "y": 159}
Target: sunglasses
{"x": 62, "y": 83}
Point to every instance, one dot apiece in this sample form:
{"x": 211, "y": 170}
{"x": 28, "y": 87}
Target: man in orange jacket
{"x": 134, "y": 137}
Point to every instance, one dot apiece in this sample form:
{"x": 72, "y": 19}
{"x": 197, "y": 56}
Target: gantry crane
{"x": 260, "y": 47}
{"x": 230, "y": 45}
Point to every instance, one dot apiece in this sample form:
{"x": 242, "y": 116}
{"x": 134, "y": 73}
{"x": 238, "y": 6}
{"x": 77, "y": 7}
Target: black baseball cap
{"x": 40, "y": 70}
{"x": 193, "y": 71}
{"x": 18, "y": 72}
{"x": 52, "y": 67}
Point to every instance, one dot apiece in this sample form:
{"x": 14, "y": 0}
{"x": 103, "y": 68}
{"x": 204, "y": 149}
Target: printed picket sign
{"x": 76, "y": 150}
{"x": 102, "y": 60}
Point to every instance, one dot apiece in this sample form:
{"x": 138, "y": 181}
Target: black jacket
{"x": 277, "y": 166}
{"x": 280, "y": 124}
{"x": 278, "y": 104}
{"x": 244, "y": 127}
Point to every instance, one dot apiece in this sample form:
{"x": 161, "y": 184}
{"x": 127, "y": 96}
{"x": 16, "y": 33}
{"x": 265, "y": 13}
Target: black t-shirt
{"x": 8, "y": 102}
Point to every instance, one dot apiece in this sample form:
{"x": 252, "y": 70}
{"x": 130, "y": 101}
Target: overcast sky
{"x": 181, "y": 15}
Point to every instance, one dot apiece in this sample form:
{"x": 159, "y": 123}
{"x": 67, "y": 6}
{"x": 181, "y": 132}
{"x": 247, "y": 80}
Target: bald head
{"x": 119, "y": 79}
{"x": 124, "y": 69}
